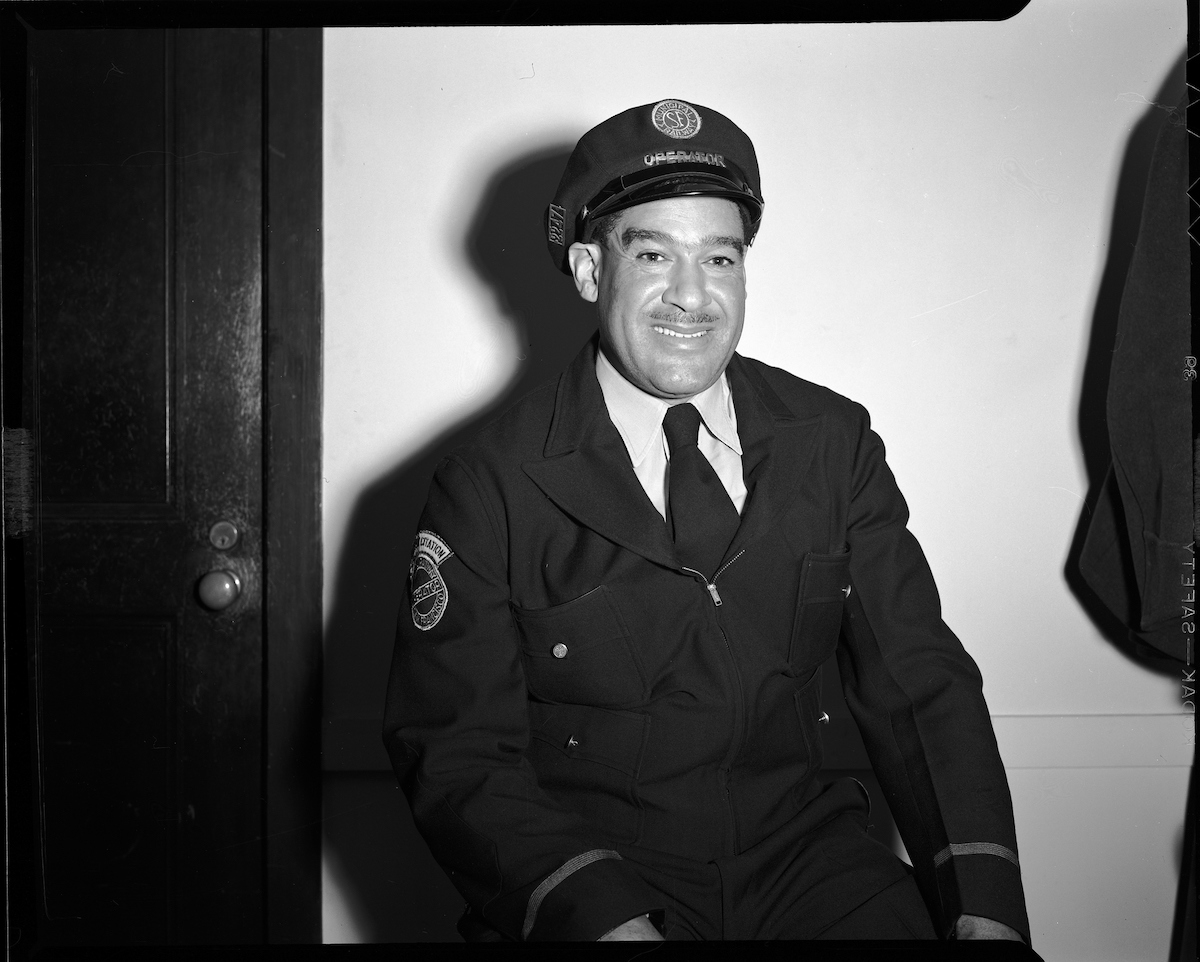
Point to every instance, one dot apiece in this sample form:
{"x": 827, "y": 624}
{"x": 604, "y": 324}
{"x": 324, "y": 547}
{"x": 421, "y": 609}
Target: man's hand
{"x": 640, "y": 929}
{"x": 977, "y": 927}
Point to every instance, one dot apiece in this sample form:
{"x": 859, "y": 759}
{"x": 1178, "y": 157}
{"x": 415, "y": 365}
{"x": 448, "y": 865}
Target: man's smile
{"x": 670, "y": 333}
{"x": 683, "y": 324}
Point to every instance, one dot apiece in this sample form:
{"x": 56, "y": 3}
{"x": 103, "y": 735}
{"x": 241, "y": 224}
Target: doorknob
{"x": 219, "y": 589}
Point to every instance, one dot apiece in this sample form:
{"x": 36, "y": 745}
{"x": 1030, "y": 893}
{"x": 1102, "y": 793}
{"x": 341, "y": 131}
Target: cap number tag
{"x": 556, "y": 222}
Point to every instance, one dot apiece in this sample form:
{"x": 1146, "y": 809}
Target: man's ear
{"x": 584, "y": 260}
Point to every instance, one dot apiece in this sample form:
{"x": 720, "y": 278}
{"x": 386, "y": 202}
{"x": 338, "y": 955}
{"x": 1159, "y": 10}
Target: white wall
{"x": 940, "y": 201}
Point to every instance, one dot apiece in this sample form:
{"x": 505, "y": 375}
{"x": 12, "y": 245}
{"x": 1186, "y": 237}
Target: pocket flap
{"x": 824, "y": 577}
{"x": 582, "y": 623}
{"x": 612, "y": 738}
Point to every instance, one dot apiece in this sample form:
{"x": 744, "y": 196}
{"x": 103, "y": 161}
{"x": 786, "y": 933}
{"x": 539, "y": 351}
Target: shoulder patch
{"x": 426, "y": 587}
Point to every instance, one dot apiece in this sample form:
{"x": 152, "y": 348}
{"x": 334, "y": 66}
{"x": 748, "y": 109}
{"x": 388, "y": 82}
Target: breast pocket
{"x": 824, "y": 588}
{"x": 580, "y": 652}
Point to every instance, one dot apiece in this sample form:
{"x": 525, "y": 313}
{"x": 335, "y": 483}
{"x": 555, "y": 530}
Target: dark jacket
{"x": 1139, "y": 555}
{"x": 580, "y": 691}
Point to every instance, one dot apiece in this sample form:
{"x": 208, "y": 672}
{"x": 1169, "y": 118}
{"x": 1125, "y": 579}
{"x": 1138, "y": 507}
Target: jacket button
{"x": 823, "y": 718}
{"x": 559, "y": 650}
{"x": 846, "y": 591}
{"x": 572, "y": 742}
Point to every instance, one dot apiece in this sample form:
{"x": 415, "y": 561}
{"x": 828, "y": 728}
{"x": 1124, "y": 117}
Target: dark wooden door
{"x": 144, "y": 391}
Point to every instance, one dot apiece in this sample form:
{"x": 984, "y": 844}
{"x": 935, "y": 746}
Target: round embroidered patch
{"x": 676, "y": 119}
{"x": 426, "y": 587}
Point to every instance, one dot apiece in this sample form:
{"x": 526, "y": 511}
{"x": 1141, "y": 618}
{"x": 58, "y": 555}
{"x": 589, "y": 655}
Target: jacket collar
{"x": 585, "y": 469}
{"x": 638, "y": 416}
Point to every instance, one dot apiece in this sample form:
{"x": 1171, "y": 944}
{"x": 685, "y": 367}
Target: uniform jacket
{"x": 561, "y": 687}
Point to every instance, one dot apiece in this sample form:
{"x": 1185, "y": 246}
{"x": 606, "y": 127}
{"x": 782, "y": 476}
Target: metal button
{"x": 846, "y": 591}
{"x": 823, "y": 718}
{"x": 572, "y": 742}
{"x": 559, "y": 650}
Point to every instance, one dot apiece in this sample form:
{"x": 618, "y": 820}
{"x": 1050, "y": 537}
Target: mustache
{"x": 683, "y": 317}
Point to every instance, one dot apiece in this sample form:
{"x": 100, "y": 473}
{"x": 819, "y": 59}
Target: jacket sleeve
{"x": 456, "y": 727}
{"x": 917, "y": 697}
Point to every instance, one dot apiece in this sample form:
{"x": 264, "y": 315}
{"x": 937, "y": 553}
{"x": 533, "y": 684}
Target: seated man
{"x": 604, "y": 704}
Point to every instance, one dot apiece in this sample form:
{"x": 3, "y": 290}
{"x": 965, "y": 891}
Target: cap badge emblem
{"x": 676, "y": 119}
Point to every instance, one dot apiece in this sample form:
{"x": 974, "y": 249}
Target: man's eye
{"x": 722, "y": 261}
{"x": 652, "y": 257}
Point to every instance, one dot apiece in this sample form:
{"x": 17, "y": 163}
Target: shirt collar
{"x": 638, "y": 416}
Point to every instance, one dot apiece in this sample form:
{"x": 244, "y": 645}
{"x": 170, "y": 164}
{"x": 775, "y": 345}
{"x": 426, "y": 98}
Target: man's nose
{"x": 687, "y": 286}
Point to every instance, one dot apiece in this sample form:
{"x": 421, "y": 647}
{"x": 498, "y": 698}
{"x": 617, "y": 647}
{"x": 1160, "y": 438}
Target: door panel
{"x": 108, "y": 814}
{"x": 104, "y": 240}
{"x": 146, "y": 319}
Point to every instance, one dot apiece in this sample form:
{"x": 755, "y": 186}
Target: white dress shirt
{"x": 638, "y": 419}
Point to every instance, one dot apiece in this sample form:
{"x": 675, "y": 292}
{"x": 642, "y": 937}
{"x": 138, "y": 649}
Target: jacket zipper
{"x": 712, "y": 585}
{"x": 739, "y": 701}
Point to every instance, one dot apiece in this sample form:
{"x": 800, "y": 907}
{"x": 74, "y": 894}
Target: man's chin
{"x": 686, "y": 383}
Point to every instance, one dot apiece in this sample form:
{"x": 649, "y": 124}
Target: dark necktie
{"x": 701, "y": 517}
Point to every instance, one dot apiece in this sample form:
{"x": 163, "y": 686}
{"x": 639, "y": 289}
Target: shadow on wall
{"x": 1093, "y": 395}
{"x": 392, "y": 887}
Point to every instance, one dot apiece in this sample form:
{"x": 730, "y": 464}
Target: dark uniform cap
{"x": 667, "y": 149}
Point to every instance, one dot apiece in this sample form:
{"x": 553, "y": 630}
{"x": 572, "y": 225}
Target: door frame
{"x": 292, "y": 547}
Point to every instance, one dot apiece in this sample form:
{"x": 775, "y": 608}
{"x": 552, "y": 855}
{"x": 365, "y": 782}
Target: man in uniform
{"x": 604, "y": 705}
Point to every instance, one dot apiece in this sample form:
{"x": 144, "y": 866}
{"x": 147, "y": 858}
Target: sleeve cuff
{"x": 589, "y": 895}
{"x": 556, "y": 878}
{"x": 987, "y": 877}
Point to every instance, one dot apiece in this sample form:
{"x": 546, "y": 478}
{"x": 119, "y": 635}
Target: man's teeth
{"x": 670, "y": 333}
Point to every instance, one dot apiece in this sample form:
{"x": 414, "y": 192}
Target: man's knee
{"x": 898, "y": 912}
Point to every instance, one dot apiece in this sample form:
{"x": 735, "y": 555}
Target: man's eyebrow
{"x": 631, "y": 234}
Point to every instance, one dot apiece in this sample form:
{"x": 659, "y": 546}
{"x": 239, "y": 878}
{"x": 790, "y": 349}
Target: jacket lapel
{"x": 777, "y": 448}
{"x": 586, "y": 470}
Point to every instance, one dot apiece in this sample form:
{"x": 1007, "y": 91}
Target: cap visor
{"x": 675, "y": 182}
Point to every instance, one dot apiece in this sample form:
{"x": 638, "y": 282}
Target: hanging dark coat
{"x": 1139, "y": 554}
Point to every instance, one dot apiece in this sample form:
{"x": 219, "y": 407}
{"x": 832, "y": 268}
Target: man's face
{"x": 670, "y": 286}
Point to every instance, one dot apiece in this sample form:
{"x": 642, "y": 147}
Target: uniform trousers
{"x": 820, "y": 876}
